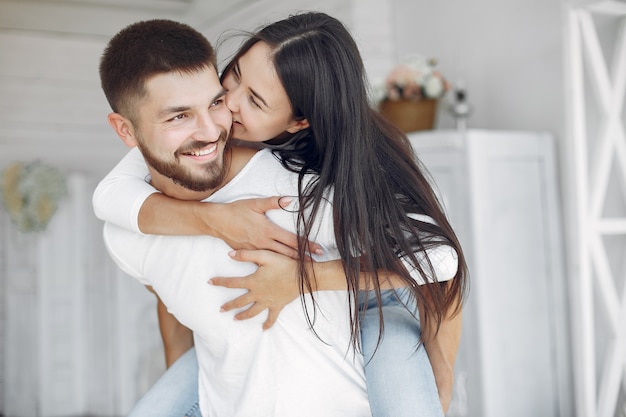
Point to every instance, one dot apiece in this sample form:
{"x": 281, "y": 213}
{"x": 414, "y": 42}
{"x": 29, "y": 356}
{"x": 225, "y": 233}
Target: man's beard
{"x": 214, "y": 173}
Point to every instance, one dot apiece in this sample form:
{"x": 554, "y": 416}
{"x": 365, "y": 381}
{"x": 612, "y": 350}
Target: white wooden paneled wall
{"x": 597, "y": 65}
{"x": 79, "y": 336}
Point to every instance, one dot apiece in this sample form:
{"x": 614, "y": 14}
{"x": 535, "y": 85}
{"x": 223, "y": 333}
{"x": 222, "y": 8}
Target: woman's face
{"x": 256, "y": 97}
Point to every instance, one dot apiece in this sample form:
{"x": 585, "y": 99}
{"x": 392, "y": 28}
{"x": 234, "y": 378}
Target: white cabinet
{"x": 500, "y": 192}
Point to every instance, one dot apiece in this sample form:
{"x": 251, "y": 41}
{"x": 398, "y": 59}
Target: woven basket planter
{"x": 410, "y": 116}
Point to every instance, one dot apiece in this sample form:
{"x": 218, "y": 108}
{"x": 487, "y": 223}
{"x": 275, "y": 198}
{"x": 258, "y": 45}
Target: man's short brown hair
{"x": 145, "y": 49}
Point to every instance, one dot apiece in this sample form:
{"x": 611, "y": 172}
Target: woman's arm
{"x": 126, "y": 198}
{"x": 119, "y": 196}
{"x": 274, "y": 284}
{"x": 241, "y": 224}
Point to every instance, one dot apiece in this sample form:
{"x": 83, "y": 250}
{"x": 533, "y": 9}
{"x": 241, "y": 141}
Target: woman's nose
{"x": 232, "y": 100}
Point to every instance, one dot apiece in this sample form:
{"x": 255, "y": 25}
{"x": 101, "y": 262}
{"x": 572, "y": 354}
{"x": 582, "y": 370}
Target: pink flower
{"x": 415, "y": 79}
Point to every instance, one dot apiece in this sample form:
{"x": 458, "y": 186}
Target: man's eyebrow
{"x": 180, "y": 109}
{"x": 219, "y": 94}
{"x": 175, "y": 109}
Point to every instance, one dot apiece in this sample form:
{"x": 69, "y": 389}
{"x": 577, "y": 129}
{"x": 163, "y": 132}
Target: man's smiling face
{"x": 182, "y": 128}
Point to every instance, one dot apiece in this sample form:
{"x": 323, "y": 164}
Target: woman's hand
{"x": 243, "y": 225}
{"x": 272, "y": 286}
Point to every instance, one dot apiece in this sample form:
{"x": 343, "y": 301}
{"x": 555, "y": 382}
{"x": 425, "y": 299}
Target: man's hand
{"x": 272, "y": 286}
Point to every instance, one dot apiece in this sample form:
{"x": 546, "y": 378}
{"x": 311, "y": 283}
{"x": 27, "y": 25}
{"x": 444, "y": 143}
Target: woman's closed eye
{"x": 253, "y": 101}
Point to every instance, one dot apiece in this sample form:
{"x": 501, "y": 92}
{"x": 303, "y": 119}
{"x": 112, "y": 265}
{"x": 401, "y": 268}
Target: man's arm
{"x": 442, "y": 347}
{"x": 177, "y": 339}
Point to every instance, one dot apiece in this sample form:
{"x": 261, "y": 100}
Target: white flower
{"x": 414, "y": 79}
{"x": 433, "y": 86}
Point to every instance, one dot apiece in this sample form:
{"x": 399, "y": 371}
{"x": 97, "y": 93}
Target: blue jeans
{"x": 400, "y": 379}
{"x": 175, "y": 394}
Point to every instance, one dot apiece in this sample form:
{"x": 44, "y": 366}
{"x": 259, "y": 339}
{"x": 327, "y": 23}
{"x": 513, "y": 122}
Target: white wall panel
{"x": 81, "y": 337}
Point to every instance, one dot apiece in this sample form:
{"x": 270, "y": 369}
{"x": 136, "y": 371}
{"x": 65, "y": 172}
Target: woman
{"x": 300, "y": 82}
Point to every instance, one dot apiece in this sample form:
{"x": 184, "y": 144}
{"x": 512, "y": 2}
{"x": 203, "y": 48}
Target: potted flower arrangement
{"x": 408, "y": 97}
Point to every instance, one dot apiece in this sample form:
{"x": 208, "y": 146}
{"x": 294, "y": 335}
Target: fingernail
{"x": 319, "y": 251}
{"x": 231, "y": 253}
{"x": 285, "y": 201}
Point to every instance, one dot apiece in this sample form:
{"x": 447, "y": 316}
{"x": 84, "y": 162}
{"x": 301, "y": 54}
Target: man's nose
{"x": 207, "y": 130}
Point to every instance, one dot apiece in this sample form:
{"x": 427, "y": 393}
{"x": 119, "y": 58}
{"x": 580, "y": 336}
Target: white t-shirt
{"x": 121, "y": 186}
{"x": 287, "y": 370}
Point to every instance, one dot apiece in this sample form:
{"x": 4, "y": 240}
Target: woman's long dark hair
{"x": 369, "y": 164}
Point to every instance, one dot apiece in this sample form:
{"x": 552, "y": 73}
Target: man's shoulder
{"x": 262, "y": 175}
{"x": 245, "y": 159}
{"x": 240, "y": 156}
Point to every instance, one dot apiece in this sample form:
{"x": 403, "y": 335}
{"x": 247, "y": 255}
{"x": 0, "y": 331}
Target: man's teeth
{"x": 203, "y": 151}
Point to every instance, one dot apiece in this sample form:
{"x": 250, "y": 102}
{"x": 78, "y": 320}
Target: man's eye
{"x": 178, "y": 117}
{"x": 218, "y": 102}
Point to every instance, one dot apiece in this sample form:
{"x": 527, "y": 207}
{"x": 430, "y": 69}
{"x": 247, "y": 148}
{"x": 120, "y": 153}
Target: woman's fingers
{"x": 254, "y": 310}
{"x": 271, "y": 319}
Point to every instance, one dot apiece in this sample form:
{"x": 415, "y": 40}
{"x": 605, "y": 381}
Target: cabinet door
{"x": 518, "y": 274}
{"x": 501, "y": 195}
{"x": 444, "y": 156}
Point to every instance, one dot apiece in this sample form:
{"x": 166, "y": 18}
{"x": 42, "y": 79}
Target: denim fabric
{"x": 175, "y": 393}
{"x": 400, "y": 379}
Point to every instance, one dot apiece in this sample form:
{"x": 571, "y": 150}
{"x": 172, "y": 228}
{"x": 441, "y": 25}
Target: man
{"x": 161, "y": 81}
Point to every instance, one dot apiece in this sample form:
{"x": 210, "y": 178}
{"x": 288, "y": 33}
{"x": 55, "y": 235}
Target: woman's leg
{"x": 175, "y": 394}
{"x": 400, "y": 380}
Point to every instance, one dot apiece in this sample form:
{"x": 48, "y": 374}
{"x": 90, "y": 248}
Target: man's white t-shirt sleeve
{"x": 120, "y": 195}
{"x": 128, "y": 250}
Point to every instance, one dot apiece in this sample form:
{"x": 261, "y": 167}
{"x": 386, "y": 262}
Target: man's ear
{"x": 298, "y": 125}
{"x": 124, "y": 129}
